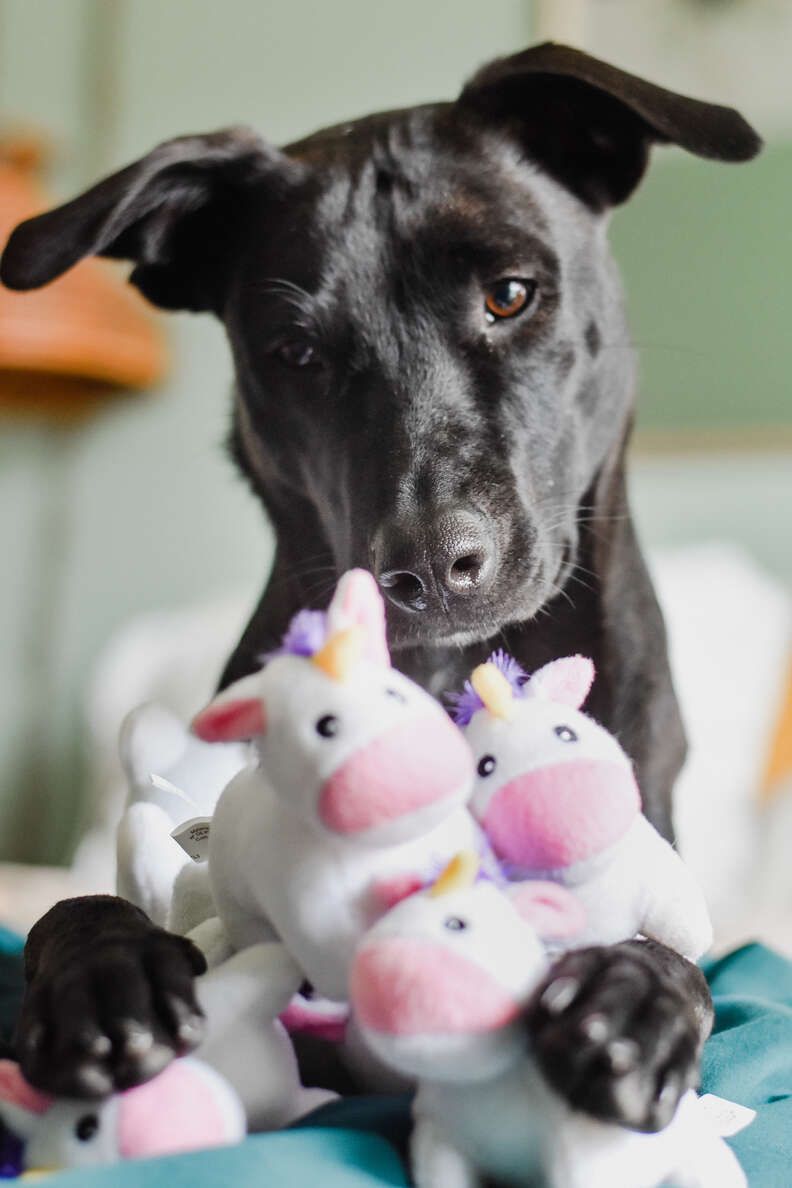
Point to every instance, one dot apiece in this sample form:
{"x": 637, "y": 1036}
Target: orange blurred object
{"x": 69, "y": 347}
{"x": 778, "y": 771}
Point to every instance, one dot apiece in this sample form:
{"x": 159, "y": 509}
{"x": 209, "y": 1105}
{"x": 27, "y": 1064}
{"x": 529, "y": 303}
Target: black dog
{"x": 422, "y": 310}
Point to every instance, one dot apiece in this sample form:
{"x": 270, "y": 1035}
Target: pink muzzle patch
{"x": 176, "y": 1111}
{"x": 412, "y": 765}
{"x": 401, "y": 986}
{"x": 561, "y": 814}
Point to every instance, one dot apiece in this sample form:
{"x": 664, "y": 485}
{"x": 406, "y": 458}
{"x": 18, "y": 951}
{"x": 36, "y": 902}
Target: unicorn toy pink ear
{"x": 556, "y": 796}
{"x": 351, "y": 630}
{"x": 567, "y": 681}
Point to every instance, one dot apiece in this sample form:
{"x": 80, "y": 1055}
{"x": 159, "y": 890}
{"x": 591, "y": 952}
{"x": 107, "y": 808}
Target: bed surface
{"x": 356, "y": 1143}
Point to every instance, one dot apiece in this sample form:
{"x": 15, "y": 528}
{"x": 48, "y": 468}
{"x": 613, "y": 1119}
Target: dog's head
{"x": 426, "y": 323}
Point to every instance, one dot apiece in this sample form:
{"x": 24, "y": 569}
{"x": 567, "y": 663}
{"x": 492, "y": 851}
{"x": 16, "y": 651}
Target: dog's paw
{"x": 107, "y": 1009}
{"x": 617, "y": 1032}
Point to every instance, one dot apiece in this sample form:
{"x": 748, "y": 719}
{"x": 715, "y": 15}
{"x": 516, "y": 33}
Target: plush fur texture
{"x": 437, "y": 987}
{"x": 557, "y": 798}
{"x": 172, "y": 776}
{"x": 243, "y": 999}
{"x": 361, "y": 780}
{"x": 186, "y": 1107}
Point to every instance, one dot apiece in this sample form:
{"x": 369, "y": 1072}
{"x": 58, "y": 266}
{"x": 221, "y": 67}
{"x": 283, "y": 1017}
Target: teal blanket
{"x": 748, "y": 1058}
{"x": 355, "y": 1143}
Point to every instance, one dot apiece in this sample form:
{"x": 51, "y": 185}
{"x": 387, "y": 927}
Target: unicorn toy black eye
{"x": 86, "y": 1127}
{"x": 455, "y": 924}
{"x": 327, "y": 726}
{"x": 566, "y": 734}
{"x": 486, "y": 765}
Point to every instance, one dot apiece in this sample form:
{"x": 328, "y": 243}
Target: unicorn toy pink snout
{"x": 563, "y": 813}
{"x": 553, "y": 788}
{"x": 449, "y": 993}
{"x": 413, "y": 765}
{"x": 437, "y": 982}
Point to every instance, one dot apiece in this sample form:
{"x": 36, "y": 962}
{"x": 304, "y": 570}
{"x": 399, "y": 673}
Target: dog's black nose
{"x": 453, "y": 556}
{"x": 404, "y": 589}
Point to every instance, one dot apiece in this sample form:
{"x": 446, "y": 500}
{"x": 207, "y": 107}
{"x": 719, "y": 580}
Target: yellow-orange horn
{"x": 341, "y": 653}
{"x": 461, "y": 872}
{"x": 494, "y": 690}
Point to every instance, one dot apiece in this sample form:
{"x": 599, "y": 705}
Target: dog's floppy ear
{"x": 172, "y": 213}
{"x": 591, "y": 126}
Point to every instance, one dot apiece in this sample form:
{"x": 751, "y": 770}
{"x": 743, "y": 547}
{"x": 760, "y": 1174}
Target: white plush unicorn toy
{"x": 244, "y": 1076}
{"x": 172, "y": 777}
{"x": 358, "y": 796}
{"x": 439, "y": 986}
{"x": 557, "y": 799}
{"x": 186, "y": 1107}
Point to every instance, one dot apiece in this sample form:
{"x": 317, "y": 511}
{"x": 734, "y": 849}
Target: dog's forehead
{"x": 426, "y": 172}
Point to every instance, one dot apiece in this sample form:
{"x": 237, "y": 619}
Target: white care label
{"x": 726, "y": 1117}
{"x": 158, "y": 781}
{"x": 193, "y": 837}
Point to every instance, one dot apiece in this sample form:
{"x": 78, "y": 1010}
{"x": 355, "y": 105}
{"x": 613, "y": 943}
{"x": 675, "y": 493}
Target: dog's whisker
{"x": 582, "y": 569}
{"x": 601, "y": 519}
{"x": 321, "y": 581}
{"x": 306, "y": 591}
{"x": 557, "y": 591}
{"x": 648, "y": 345}
{"x": 581, "y": 582}
{"x": 316, "y": 571}
{"x": 308, "y": 569}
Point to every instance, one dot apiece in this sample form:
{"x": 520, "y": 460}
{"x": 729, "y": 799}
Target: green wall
{"x": 706, "y": 252}
{"x": 100, "y": 524}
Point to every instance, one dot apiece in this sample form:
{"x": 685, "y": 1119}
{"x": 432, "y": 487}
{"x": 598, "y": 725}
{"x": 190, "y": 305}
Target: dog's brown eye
{"x": 508, "y": 297}
{"x": 298, "y": 352}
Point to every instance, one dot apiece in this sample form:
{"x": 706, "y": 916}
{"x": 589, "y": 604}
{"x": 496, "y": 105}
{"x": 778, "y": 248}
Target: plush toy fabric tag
{"x": 164, "y": 785}
{"x": 727, "y": 1117}
{"x": 193, "y": 837}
